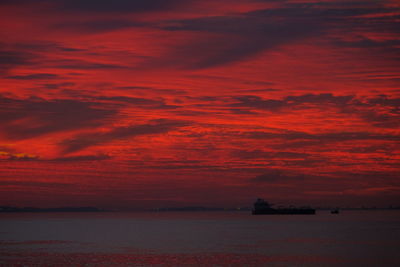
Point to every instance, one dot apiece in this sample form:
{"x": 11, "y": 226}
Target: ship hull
{"x": 284, "y": 212}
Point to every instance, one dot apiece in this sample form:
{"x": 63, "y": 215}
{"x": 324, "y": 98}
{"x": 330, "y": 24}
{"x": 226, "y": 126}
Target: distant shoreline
{"x": 61, "y": 209}
{"x": 7, "y": 209}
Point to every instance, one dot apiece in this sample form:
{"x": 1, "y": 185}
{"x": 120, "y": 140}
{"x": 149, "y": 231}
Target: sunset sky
{"x": 162, "y": 103}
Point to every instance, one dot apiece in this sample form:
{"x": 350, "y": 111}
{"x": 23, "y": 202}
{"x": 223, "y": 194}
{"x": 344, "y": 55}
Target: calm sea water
{"x": 351, "y": 238}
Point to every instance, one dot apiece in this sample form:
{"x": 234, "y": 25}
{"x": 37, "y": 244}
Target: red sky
{"x": 142, "y": 104}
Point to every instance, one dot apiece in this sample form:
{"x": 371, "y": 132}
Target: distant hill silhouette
{"x": 200, "y": 208}
{"x": 60, "y": 209}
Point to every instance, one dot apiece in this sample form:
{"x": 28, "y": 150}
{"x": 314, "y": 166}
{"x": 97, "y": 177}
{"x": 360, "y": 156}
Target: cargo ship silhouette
{"x": 263, "y": 207}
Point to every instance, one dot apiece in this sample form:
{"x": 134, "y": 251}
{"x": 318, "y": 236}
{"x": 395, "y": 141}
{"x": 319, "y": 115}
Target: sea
{"x": 218, "y": 238}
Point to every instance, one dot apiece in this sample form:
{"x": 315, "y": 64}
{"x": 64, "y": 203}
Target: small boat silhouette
{"x": 335, "y": 211}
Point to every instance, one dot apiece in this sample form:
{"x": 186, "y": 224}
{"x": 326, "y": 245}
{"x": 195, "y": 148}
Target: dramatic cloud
{"x": 235, "y": 38}
{"x": 27, "y": 118}
{"x": 36, "y": 76}
{"x": 10, "y": 59}
{"x": 118, "y": 6}
{"x": 16, "y": 156}
{"x": 324, "y": 137}
{"x": 139, "y": 102}
{"x": 381, "y": 112}
{"x": 154, "y": 127}
{"x": 255, "y": 154}
{"x": 199, "y": 102}
{"x": 82, "y": 158}
{"x": 238, "y": 37}
{"x": 320, "y": 100}
{"x": 96, "y": 26}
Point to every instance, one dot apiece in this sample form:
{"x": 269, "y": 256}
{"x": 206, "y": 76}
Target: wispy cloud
{"x": 83, "y": 141}
{"x": 28, "y": 118}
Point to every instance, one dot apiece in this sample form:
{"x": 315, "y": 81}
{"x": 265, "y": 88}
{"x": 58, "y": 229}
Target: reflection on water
{"x": 201, "y": 238}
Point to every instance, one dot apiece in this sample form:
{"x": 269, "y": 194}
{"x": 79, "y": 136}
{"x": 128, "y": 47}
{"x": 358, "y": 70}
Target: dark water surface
{"x": 351, "y": 238}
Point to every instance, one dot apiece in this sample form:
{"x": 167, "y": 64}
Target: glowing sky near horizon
{"x": 130, "y": 104}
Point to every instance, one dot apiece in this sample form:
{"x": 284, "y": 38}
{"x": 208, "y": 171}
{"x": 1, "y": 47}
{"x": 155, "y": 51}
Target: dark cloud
{"x": 32, "y": 117}
{"x": 383, "y": 120}
{"x": 100, "y": 6}
{"x": 324, "y": 99}
{"x": 82, "y": 158}
{"x": 321, "y": 100}
{"x": 57, "y": 85}
{"x": 383, "y": 100}
{"x": 5, "y": 155}
{"x": 260, "y": 154}
{"x": 27, "y": 118}
{"x": 119, "y": 6}
{"x": 277, "y": 176}
{"x": 36, "y": 76}
{"x": 10, "y": 59}
{"x": 368, "y": 43}
{"x": 14, "y": 55}
{"x": 384, "y": 49}
{"x": 71, "y": 49}
{"x": 285, "y": 134}
{"x": 382, "y": 148}
{"x": 44, "y": 46}
{"x": 242, "y": 111}
{"x": 177, "y": 165}
{"x": 234, "y": 38}
{"x": 312, "y": 139}
{"x": 98, "y": 25}
{"x": 14, "y": 156}
{"x": 345, "y": 136}
{"x": 82, "y": 65}
{"x": 379, "y": 111}
{"x": 91, "y": 139}
{"x": 137, "y": 101}
{"x": 256, "y": 102}
{"x": 144, "y": 89}
{"x": 237, "y": 37}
